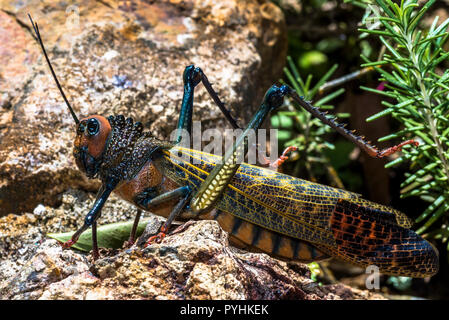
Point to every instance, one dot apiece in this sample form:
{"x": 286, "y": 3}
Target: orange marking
{"x": 244, "y": 233}
{"x": 226, "y": 221}
{"x": 147, "y": 177}
{"x": 97, "y": 143}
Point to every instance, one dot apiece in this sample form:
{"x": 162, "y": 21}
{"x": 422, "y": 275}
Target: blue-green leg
{"x": 192, "y": 77}
{"x": 92, "y": 216}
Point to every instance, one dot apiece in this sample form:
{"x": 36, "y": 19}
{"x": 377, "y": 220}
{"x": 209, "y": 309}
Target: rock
{"x": 121, "y": 58}
{"x": 48, "y": 265}
{"x": 19, "y": 234}
{"x": 195, "y": 262}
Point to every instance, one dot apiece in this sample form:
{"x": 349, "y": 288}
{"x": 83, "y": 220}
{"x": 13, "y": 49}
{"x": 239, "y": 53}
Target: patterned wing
{"x": 367, "y": 236}
{"x": 268, "y": 199}
{"x": 276, "y": 201}
{"x": 336, "y": 221}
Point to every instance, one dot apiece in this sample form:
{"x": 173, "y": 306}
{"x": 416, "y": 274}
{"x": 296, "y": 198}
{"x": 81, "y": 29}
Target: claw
{"x": 283, "y": 157}
{"x": 156, "y": 239}
{"x": 68, "y": 244}
{"x": 389, "y": 151}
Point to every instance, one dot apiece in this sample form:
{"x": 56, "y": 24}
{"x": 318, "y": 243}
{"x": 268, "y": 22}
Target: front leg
{"x": 92, "y": 216}
{"x": 95, "y": 252}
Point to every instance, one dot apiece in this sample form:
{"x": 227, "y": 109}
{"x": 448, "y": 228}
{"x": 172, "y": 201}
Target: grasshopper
{"x": 267, "y": 211}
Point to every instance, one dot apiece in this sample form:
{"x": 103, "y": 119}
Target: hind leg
{"x": 220, "y": 176}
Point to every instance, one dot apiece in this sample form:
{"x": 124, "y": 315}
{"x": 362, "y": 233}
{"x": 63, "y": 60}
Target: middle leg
{"x": 192, "y": 77}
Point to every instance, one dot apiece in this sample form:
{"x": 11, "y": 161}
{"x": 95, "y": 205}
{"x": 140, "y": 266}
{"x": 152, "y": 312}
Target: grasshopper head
{"x": 92, "y": 134}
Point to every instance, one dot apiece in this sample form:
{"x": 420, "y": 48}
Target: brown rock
{"x": 127, "y": 58}
{"x": 50, "y": 264}
{"x": 20, "y": 234}
{"x": 194, "y": 263}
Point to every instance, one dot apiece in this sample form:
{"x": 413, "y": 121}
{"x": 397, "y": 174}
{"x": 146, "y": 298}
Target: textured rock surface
{"x": 120, "y": 57}
{"x": 194, "y": 262}
{"x": 21, "y": 235}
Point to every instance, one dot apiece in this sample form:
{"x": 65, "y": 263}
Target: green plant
{"x": 111, "y": 235}
{"x": 417, "y": 94}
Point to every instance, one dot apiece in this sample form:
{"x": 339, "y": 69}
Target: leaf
{"x": 385, "y": 93}
{"x": 328, "y": 74}
{"x": 380, "y": 114}
{"x": 417, "y": 18}
{"x": 378, "y": 32}
{"x": 281, "y": 121}
{"x": 386, "y": 9}
{"x": 430, "y": 209}
{"x": 438, "y": 213}
{"x": 293, "y": 81}
{"x": 329, "y": 97}
{"x": 108, "y": 236}
{"x": 284, "y": 135}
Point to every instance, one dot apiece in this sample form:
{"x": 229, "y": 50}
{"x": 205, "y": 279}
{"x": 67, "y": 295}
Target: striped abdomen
{"x": 366, "y": 236}
{"x": 254, "y": 238}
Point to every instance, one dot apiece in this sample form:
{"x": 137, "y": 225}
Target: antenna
{"x": 38, "y": 35}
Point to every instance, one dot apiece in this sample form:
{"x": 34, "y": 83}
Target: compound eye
{"x": 92, "y": 127}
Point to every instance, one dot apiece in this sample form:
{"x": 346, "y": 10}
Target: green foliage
{"x": 416, "y": 92}
{"x": 108, "y": 236}
{"x": 400, "y": 283}
{"x": 315, "y": 270}
{"x": 296, "y": 127}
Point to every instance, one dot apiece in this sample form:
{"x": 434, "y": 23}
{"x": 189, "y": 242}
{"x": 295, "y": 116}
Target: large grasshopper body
{"x": 264, "y": 210}
{"x": 295, "y": 219}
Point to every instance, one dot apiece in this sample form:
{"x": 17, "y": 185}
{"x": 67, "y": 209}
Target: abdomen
{"x": 254, "y": 238}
